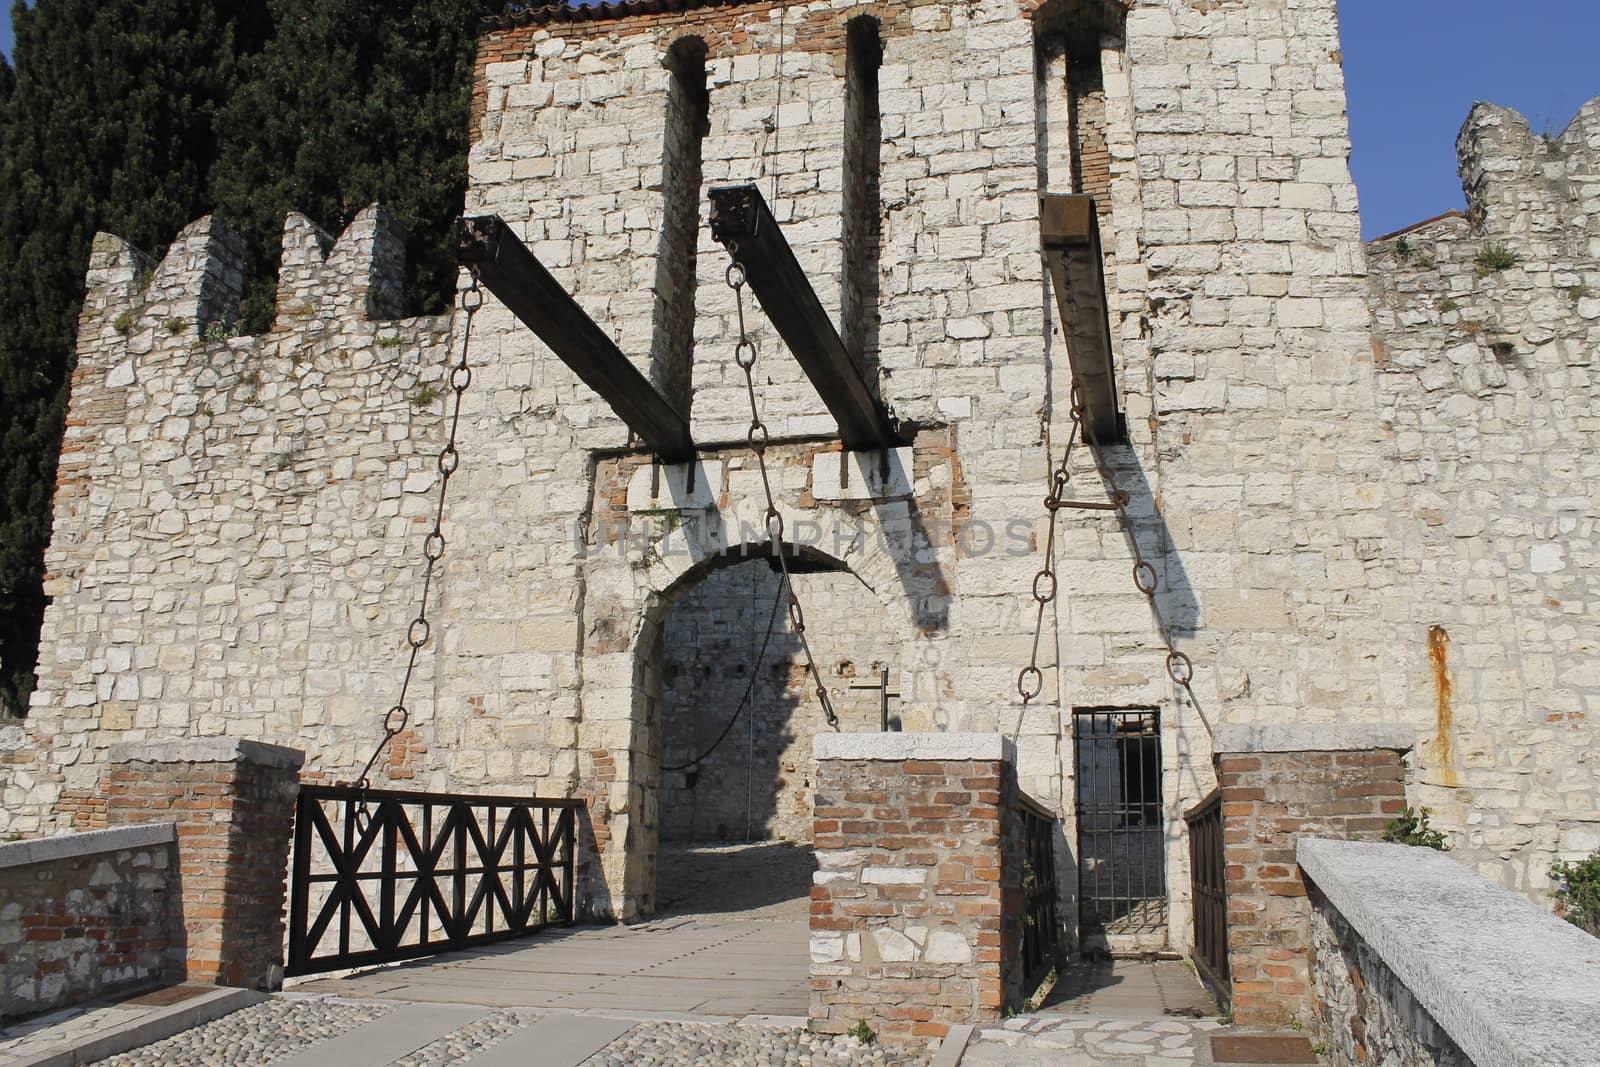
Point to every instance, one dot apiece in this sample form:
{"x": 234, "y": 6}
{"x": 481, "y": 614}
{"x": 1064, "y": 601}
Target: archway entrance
{"x": 736, "y": 723}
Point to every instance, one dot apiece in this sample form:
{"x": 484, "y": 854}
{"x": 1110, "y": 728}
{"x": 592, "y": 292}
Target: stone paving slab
{"x": 386, "y": 1040}
{"x": 555, "y": 1041}
{"x": 710, "y": 965}
{"x": 94, "y": 1031}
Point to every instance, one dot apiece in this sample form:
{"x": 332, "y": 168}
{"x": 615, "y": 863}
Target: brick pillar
{"x": 1280, "y": 784}
{"x": 907, "y": 908}
{"x": 233, "y": 803}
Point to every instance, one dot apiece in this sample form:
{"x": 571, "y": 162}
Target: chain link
{"x": 744, "y": 355}
{"x": 1030, "y": 680}
{"x": 419, "y": 631}
{"x": 1146, "y": 579}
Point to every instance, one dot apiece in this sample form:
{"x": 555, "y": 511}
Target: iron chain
{"x": 1146, "y": 579}
{"x": 744, "y": 355}
{"x": 1030, "y": 680}
{"x": 420, "y": 630}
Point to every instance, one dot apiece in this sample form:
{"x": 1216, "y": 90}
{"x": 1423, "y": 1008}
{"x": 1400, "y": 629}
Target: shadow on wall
{"x": 733, "y": 674}
{"x": 701, "y": 879}
{"x": 738, "y": 707}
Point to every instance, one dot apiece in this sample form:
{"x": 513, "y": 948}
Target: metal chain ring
{"x": 419, "y": 632}
{"x": 1030, "y": 680}
{"x": 1146, "y": 579}
{"x": 744, "y": 356}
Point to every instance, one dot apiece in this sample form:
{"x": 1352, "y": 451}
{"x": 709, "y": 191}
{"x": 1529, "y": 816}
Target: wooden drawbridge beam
{"x": 509, "y": 270}
{"x": 741, "y": 221}
{"x": 1069, "y": 230}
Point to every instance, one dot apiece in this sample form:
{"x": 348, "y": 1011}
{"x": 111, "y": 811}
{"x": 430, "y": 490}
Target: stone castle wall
{"x": 1488, "y": 331}
{"x": 239, "y": 523}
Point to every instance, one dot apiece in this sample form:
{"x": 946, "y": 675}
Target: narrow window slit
{"x": 863, "y": 139}
{"x": 687, "y": 123}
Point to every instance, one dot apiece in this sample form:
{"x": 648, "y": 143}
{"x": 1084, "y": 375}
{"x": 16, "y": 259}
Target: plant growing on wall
{"x": 1495, "y": 257}
{"x": 1411, "y": 827}
{"x": 1578, "y": 893}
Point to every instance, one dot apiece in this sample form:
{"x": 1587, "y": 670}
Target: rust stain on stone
{"x": 1444, "y": 745}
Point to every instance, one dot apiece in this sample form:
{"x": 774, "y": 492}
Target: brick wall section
{"x": 76, "y": 926}
{"x": 1269, "y": 800}
{"x": 234, "y": 805}
{"x": 907, "y": 930}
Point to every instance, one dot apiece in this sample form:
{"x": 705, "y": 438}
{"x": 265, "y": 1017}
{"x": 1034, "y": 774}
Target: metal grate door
{"x": 1122, "y": 885}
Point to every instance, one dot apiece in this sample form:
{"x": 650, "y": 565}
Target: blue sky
{"x": 1413, "y": 70}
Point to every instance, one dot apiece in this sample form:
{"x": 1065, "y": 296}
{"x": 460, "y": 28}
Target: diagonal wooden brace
{"x": 1069, "y": 230}
{"x": 742, "y": 222}
{"x": 509, "y": 270}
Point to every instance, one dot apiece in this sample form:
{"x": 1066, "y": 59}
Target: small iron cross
{"x": 882, "y": 686}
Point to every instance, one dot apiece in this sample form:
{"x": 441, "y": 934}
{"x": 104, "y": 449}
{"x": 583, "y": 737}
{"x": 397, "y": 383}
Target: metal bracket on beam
{"x": 742, "y": 222}
{"x": 509, "y": 270}
{"x": 1069, "y": 229}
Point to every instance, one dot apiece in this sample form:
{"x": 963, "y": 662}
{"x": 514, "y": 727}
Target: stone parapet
{"x": 83, "y": 915}
{"x": 1418, "y": 960}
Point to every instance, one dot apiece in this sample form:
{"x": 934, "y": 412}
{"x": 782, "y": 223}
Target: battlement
{"x": 1514, "y": 177}
{"x": 196, "y": 286}
{"x": 363, "y": 272}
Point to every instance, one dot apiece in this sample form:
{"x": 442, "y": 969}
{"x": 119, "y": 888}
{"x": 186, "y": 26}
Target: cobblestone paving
{"x": 681, "y": 1045}
{"x": 259, "y": 1035}
{"x": 256, "y": 1035}
{"x": 1087, "y": 1042}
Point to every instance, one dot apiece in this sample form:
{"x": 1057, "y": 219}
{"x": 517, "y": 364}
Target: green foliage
{"x": 175, "y": 326}
{"x": 123, "y": 322}
{"x": 1426, "y": 262}
{"x": 136, "y": 117}
{"x": 422, "y": 395}
{"x": 1576, "y": 293}
{"x": 1411, "y": 827}
{"x": 1402, "y": 248}
{"x": 1494, "y": 257}
{"x": 221, "y": 330}
{"x": 1448, "y": 305}
{"x": 1578, "y": 893}
{"x": 350, "y": 102}
{"x": 390, "y": 342}
{"x": 862, "y": 1032}
{"x": 1320, "y": 1048}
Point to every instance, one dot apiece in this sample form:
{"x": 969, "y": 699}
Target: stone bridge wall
{"x": 1418, "y": 961}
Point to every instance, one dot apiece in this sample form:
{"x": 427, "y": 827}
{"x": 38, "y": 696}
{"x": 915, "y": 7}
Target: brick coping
{"x": 207, "y": 750}
{"x": 88, "y": 843}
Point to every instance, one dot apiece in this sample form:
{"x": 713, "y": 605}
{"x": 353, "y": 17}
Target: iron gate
{"x": 1122, "y": 882}
{"x": 426, "y": 873}
{"x": 1207, "y": 868}
{"x": 1040, "y": 934}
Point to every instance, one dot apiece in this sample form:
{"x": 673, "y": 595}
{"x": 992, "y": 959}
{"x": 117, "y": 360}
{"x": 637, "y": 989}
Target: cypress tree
{"x": 350, "y": 102}
{"x": 108, "y": 123}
